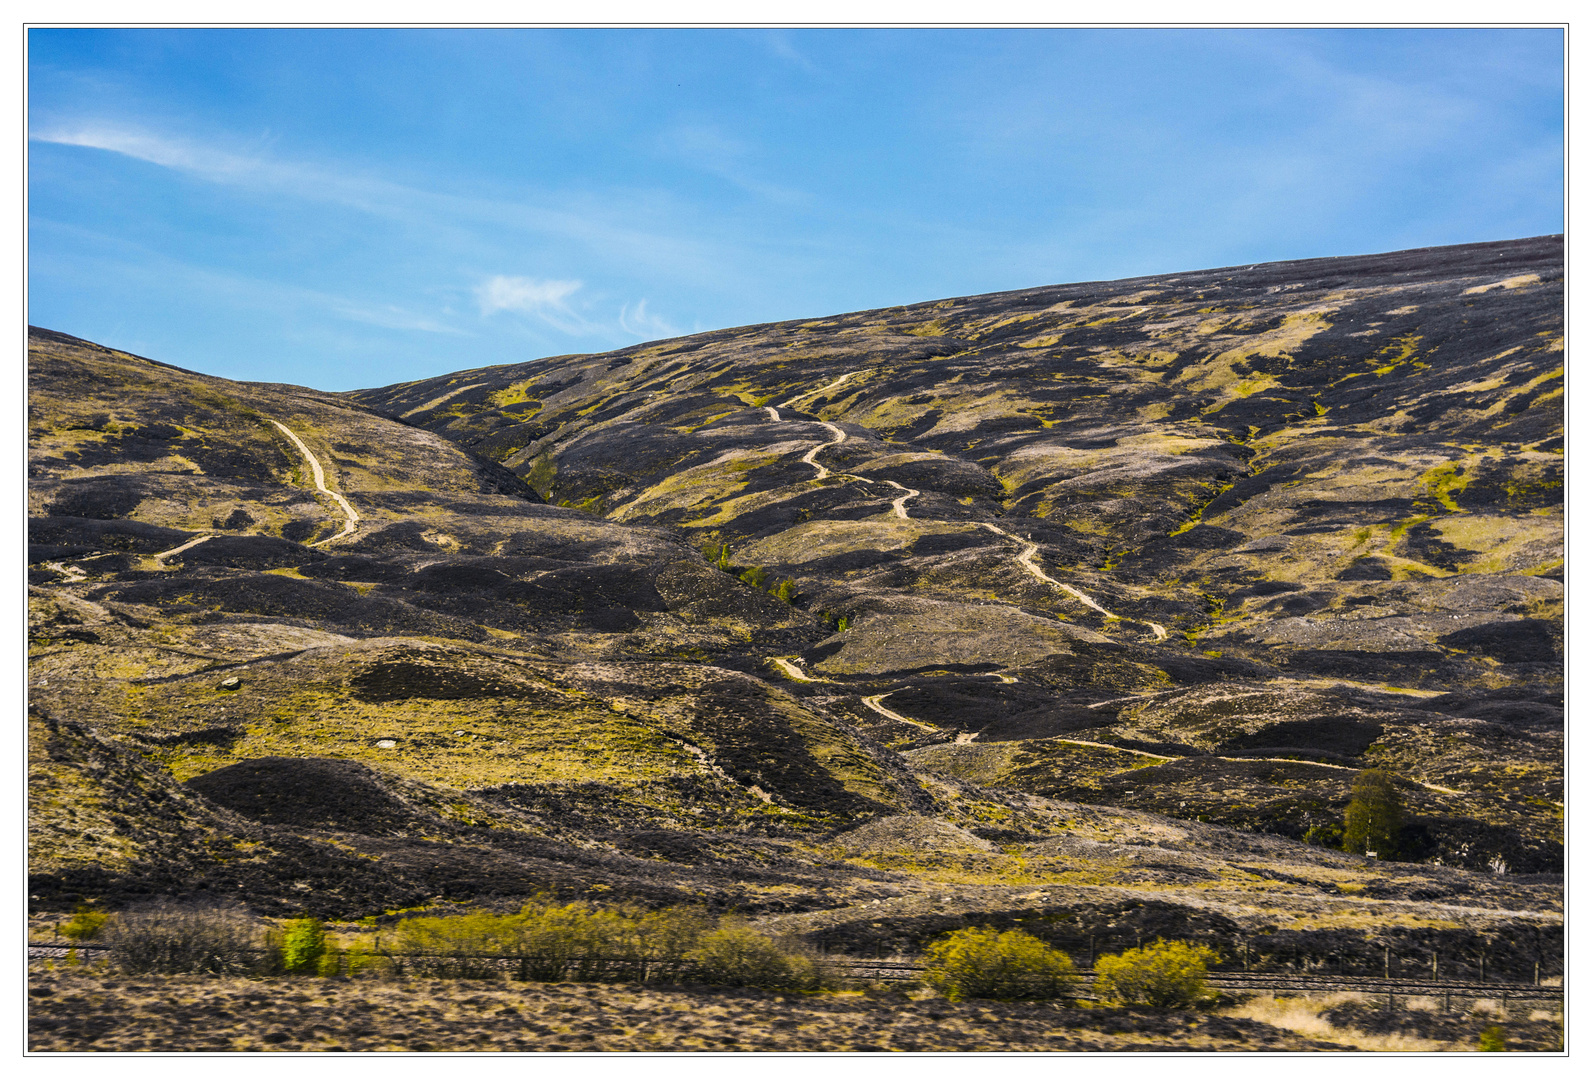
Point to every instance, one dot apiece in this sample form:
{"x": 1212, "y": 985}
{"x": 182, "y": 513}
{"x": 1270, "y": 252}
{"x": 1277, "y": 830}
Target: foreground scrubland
{"x": 86, "y": 1009}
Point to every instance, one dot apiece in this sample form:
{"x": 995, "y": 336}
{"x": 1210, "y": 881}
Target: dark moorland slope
{"x": 1100, "y": 595}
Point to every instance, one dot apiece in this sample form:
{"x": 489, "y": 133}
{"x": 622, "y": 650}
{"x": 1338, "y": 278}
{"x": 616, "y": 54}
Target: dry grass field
{"x": 88, "y": 1010}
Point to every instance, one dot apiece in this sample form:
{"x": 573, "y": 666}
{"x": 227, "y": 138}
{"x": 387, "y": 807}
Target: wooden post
{"x": 1434, "y": 965}
{"x": 1385, "y": 966}
{"x": 1536, "y": 973}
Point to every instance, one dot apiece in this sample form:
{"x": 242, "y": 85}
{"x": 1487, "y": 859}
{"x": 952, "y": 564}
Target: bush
{"x": 739, "y": 956}
{"x": 1491, "y": 1040}
{"x": 549, "y": 942}
{"x": 303, "y": 946}
{"x": 754, "y": 576}
{"x": 460, "y": 946}
{"x": 1329, "y": 835}
{"x": 1375, "y": 815}
{"x": 168, "y": 938}
{"x": 1167, "y": 974}
{"x": 786, "y": 591}
{"x": 85, "y": 924}
{"x": 980, "y": 963}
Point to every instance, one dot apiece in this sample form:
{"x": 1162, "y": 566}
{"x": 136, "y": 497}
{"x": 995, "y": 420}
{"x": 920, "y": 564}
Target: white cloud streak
{"x": 642, "y": 323}
{"x": 545, "y": 300}
{"x": 529, "y": 295}
{"x": 460, "y": 221}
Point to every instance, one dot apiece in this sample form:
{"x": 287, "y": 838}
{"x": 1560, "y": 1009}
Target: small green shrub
{"x": 85, "y": 924}
{"x": 843, "y": 624}
{"x": 1166, "y": 974}
{"x": 723, "y": 559}
{"x": 1491, "y": 1040}
{"x": 754, "y": 576}
{"x": 330, "y": 962}
{"x": 1329, "y": 835}
{"x": 303, "y": 946}
{"x": 786, "y": 591}
{"x": 739, "y": 956}
{"x": 979, "y": 962}
{"x": 168, "y": 938}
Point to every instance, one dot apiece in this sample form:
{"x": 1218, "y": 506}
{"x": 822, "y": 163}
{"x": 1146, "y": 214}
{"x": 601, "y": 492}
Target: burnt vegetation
{"x": 1077, "y": 610}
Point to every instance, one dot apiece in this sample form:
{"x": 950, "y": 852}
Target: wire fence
{"x": 905, "y": 970}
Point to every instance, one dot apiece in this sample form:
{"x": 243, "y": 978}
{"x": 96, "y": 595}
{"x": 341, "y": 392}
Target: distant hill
{"x": 800, "y": 616}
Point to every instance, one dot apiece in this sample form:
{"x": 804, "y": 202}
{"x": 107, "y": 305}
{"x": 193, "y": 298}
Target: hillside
{"x": 1099, "y": 596}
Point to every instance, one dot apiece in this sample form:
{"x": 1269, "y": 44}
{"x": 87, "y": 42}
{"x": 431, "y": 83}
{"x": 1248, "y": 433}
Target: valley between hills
{"x": 1077, "y": 608}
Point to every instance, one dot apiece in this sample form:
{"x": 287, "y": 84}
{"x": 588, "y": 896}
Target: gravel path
{"x": 807, "y": 458}
{"x": 900, "y": 504}
{"x": 1025, "y": 559}
{"x": 320, "y": 485}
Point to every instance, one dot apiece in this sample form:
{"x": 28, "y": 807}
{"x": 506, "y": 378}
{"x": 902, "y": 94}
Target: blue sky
{"x": 351, "y": 208}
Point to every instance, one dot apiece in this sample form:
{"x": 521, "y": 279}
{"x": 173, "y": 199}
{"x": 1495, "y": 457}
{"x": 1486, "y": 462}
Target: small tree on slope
{"x": 1375, "y": 813}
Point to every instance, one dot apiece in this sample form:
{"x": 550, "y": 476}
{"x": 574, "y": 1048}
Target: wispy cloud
{"x": 640, "y": 322}
{"x": 779, "y": 44}
{"x": 390, "y": 317}
{"x": 117, "y": 257}
{"x": 709, "y": 149}
{"x": 593, "y": 220}
{"x": 546, "y": 300}
{"x": 503, "y": 293}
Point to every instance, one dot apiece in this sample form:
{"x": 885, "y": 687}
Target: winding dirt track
{"x": 814, "y": 393}
{"x": 874, "y": 703}
{"x": 807, "y": 458}
{"x": 320, "y": 485}
{"x": 195, "y": 542}
{"x": 900, "y": 504}
{"x": 792, "y": 670}
{"x": 1025, "y": 559}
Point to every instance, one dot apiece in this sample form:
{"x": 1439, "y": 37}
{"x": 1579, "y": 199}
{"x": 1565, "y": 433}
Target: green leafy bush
{"x": 1375, "y": 814}
{"x": 736, "y": 955}
{"x": 786, "y": 591}
{"x": 1329, "y": 835}
{"x": 85, "y": 924}
{"x": 168, "y": 938}
{"x": 1166, "y": 974}
{"x": 303, "y": 946}
{"x": 550, "y": 942}
{"x": 981, "y": 963}
{"x": 1491, "y": 1040}
{"x": 754, "y": 576}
